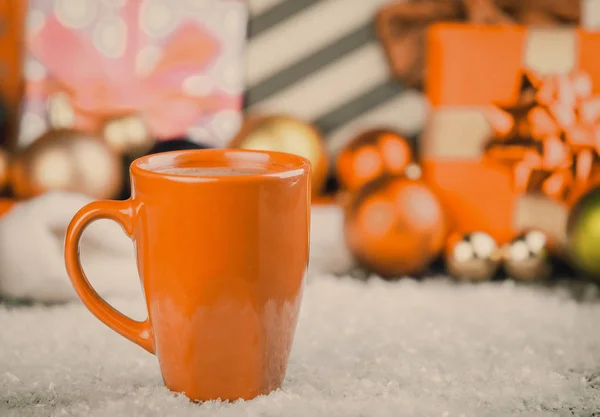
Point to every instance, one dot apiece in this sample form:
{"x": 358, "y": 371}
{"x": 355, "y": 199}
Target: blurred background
{"x": 454, "y": 136}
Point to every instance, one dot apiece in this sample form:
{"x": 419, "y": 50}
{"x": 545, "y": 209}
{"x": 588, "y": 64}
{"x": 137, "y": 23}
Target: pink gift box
{"x": 177, "y": 65}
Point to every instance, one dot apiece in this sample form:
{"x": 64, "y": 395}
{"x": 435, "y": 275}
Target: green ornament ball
{"x": 583, "y": 233}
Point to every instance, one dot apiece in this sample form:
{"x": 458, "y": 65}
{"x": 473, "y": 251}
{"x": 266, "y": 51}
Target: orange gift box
{"x": 475, "y": 68}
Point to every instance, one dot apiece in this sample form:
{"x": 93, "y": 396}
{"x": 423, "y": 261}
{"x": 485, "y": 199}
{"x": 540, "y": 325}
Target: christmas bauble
{"x": 472, "y": 256}
{"x": 128, "y": 135}
{"x": 290, "y": 135}
{"x": 371, "y": 154}
{"x": 67, "y": 160}
{"x": 395, "y": 226}
{"x": 583, "y": 233}
{"x": 527, "y": 257}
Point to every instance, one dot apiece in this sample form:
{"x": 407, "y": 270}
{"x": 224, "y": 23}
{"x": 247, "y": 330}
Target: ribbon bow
{"x": 553, "y": 131}
{"x": 101, "y": 87}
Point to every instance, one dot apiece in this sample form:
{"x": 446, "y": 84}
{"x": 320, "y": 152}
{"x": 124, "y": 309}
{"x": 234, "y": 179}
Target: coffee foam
{"x": 211, "y": 171}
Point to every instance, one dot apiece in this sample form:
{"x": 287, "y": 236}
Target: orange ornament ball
{"x": 287, "y": 134}
{"x": 395, "y": 226}
{"x": 371, "y": 154}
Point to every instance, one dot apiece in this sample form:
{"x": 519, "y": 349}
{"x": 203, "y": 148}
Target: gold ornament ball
{"x": 472, "y": 256}
{"x": 527, "y": 257}
{"x": 287, "y": 134}
{"x": 128, "y": 135}
{"x": 70, "y": 161}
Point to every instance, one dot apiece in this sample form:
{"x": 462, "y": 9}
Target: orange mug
{"x": 222, "y": 243}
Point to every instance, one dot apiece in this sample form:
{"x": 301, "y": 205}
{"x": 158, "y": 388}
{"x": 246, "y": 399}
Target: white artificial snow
{"x": 328, "y": 252}
{"x": 362, "y": 349}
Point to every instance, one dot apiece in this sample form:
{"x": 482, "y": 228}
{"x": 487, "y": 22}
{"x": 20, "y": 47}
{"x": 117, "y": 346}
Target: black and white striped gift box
{"x": 320, "y": 60}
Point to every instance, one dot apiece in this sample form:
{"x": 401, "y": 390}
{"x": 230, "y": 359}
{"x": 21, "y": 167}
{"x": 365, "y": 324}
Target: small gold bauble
{"x": 527, "y": 258}
{"x": 286, "y": 134}
{"x": 472, "y": 256}
{"x": 67, "y": 160}
{"x": 128, "y": 135}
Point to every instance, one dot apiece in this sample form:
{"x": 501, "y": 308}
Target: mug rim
{"x": 288, "y": 165}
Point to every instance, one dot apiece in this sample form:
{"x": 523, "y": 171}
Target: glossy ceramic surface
{"x": 222, "y": 262}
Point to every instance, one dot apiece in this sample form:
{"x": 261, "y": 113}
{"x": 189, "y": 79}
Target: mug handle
{"x": 139, "y": 332}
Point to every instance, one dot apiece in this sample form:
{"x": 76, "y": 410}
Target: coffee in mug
{"x": 211, "y": 171}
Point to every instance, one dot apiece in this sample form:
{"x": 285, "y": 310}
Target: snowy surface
{"x": 372, "y": 349}
{"x": 408, "y": 348}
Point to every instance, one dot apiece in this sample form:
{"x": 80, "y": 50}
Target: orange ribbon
{"x": 553, "y": 131}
